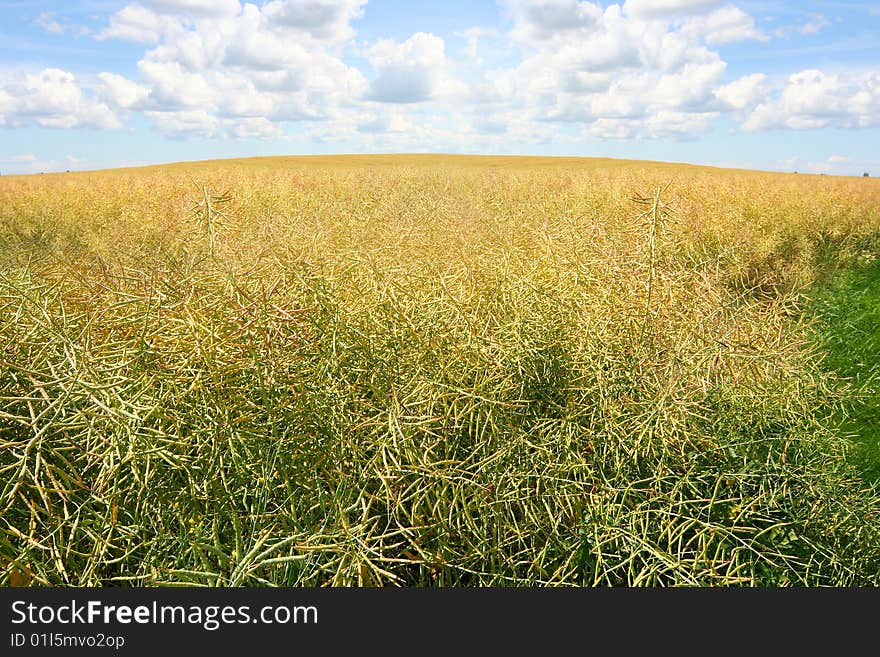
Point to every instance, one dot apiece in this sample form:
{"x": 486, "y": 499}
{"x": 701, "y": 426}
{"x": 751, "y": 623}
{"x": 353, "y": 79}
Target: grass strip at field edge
{"x": 847, "y": 313}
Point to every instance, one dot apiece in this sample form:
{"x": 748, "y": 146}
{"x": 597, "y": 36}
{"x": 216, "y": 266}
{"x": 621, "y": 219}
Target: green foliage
{"x": 847, "y": 314}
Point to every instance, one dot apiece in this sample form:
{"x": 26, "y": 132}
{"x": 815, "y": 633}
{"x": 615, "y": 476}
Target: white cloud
{"x": 409, "y": 72}
{"x": 679, "y": 125}
{"x": 490, "y": 126}
{"x": 27, "y": 157}
{"x": 838, "y": 159}
{"x": 137, "y": 23}
{"x": 612, "y": 129}
{"x": 187, "y": 123}
{"x": 7, "y": 105}
{"x": 173, "y": 86}
{"x": 397, "y": 128}
{"x": 742, "y": 93}
{"x": 691, "y": 87}
{"x": 325, "y": 20}
{"x": 607, "y": 51}
{"x": 661, "y": 125}
{"x": 667, "y": 9}
{"x": 651, "y": 70}
{"x": 385, "y": 122}
{"x": 815, "y": 99}
{"x": 254, "y": 41}
{"x": 255, "y": 127}
{"x": 726, "y": 25}
{"x": 619, "y": 74}
{"x": 196, "y": 7}
{"x": 473, "y": 36}
{"x": 639, "y": 69}
{"x": 222, "y": 69}
{"x": 53, "y": 98}
{"x": 123, "y": 92}
{"x": 547, "y": 19}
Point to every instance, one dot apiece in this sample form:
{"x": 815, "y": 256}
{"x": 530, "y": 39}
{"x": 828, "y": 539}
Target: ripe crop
{"x": 427, "y": 370}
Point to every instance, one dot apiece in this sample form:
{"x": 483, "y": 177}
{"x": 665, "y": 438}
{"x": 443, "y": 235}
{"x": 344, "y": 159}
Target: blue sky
{"x": 771, "y": 85}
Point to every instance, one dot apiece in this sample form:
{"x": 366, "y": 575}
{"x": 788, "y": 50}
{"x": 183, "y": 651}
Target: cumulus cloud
{"x": 660, "y": 125}
{"x": 409, "y": 72}
{"x": 328, "y": 20}
{"x": 7, "y": 104}
{"x": 255, "y": 127}
{"x": 196, "y": 7}
{"x": 667, "y": 9}
{"x": 548, "y": 19}
{"x": 633, "y": 69}
{"x": 384, "y": 123}
{"x": 185, "y": 123}
{"x": 138, "y": 24}
{"x": 174, "y": 86}
{"x": 815, "y": 99}
{"x": 726, "y": 25}
{"x": 622, "y": 72}
{"x": 123, "y": 92}
{"x": 743, "y": 92}
{"x": 52, "y": 98}
{"x": 223, "y": 69}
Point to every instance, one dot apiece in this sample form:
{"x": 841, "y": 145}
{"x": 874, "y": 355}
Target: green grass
{"x": 848, "y": 322}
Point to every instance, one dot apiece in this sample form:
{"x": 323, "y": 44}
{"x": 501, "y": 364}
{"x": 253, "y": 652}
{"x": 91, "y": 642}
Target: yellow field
{"x": 420, "y": 370}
